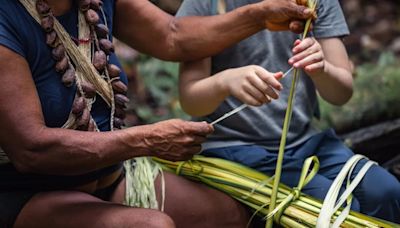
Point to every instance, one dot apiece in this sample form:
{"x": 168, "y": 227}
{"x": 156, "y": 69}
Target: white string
{"x": 243, "y": 106}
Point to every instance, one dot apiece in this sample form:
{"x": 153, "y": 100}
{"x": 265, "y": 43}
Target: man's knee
{"x": 144, "y": 218}
{"x": 160, "y": 220}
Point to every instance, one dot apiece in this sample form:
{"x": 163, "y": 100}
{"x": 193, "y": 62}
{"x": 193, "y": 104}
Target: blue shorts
{"x": 382, "y": 200}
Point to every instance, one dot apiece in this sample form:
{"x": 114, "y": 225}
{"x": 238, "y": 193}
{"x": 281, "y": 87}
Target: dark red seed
{"x": 68, "y": 78}
{"x": 102, "y": 31}
{"x": 51, "y": 38}
{"x": 58, "y": 52}
{"x": 118, "y": 123}
{"x": 88, "y": 89}
{"x": 42, "y": 7}
{"x": 78, "y": 106}
{"x": 113, "y": 70}
{"x": 120, "y": 113}
{"x": 92, "y": 126}
{"x": 96, "y": 4}
{"x": 119, "y": 87}
{"x": 84, "y": 5}
{"x": 107, "y": 46}
{"x": 121, "y": 100}
{"x": 92, "y": 17}
{"x": 47, "y": 23}
{"x": 99, "y": 60}
{"x": 62, "y": 65}
{"x": 83, "y": 120}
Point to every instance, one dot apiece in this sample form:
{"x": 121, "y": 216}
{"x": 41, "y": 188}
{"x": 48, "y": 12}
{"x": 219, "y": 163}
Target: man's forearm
{"x": 194, "y": 37}
{"x": 156, "y": 33}
{"x": 71, "y": 152}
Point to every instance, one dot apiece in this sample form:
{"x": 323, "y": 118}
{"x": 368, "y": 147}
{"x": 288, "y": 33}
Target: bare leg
{"x": 192, "y": 204}
{"x": 76, "y": 209}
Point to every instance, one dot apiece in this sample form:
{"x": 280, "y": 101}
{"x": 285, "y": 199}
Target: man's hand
{"x": 177, "y": 140}
{"x": 285, "y": 14}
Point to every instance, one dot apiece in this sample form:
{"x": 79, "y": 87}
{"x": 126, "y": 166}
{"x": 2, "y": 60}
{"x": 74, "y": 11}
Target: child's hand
{"x": 252, "y": 85}
{"x": 308, "y": 55}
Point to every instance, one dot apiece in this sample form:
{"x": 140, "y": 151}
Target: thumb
{"x": 201, "y": 128}
{"x": 278, "y": 75}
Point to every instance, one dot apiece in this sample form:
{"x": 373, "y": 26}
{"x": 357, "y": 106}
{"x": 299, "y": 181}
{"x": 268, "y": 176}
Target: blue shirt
{"x": 22, "y": 34}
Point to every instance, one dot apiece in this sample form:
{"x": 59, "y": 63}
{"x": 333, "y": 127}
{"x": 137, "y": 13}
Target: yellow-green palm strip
{"x": 286, "y": 124}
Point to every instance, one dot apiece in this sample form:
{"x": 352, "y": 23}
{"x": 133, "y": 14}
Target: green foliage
{"x": 160, "y": 79}
{"x": 376, "y": 97}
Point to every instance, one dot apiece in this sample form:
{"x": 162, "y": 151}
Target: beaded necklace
{"x": 95, "y": 45}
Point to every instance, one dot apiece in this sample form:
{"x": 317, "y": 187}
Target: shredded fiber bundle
{"x": 140, "y": 174}
{"x": 249, "y": 187}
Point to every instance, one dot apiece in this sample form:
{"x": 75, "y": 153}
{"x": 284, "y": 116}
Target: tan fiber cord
{"x": 83, "y": 63}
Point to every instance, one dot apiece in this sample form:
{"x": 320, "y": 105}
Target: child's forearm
{"x": 334, "y": 84}
{"x": 202, "y": 97}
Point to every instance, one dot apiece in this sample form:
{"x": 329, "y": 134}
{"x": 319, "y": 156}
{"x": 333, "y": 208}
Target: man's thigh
{"x": 193, "y": 204}
{"x": 77, "y": 209}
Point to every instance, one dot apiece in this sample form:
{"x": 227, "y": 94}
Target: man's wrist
{"x": 257, "y": 13}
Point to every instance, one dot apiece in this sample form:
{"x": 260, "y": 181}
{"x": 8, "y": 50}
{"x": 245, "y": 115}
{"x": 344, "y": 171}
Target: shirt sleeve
{"x": 9, "y": 36}
{"x": 195, "y": 8}
{"x": 331, "y": 21}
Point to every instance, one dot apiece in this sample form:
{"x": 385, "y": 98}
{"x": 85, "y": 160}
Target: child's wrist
{"x": 222, "y": 83}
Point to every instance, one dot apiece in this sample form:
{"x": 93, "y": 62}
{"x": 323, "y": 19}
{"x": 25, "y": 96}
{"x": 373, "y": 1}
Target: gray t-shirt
{"x": 271, "y": 50}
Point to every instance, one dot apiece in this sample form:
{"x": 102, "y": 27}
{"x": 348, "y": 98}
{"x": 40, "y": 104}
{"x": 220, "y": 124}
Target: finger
{"x": 278, "y": 76}
{"x": 268, "y": 99}
{"x": 299, "y": 12}
{"x": 192, "y": 150}
{"x": 249, "y": 99}
{"x": 268, "y": 92}
{"x": 302, "y": 2}
{"x": 296, "y": 26}
{"x": 271, "y": 93}
{"x": 314, "y": 67}
{"x": 182, "y": 157}
{"x": 181, "y": 153}
{"x": 255, "y": 93}
{"x": 278, "y": 26}
{"x": 303, "y": 55}
{"x": 264, "y": 87}
{"x": 199, "y": 128}
{"x": 197, "y": 140}
{"x": 269, "y": 78}
{"x": 314, "y": 58}
{"x": 305, "y": 44}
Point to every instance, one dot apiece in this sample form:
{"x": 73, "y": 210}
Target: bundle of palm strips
{"x": 251, "y": 188}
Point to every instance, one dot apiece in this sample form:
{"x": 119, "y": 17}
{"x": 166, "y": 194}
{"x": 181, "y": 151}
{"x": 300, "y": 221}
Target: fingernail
{"x": 307, "y": 11}
{"x": 296, "y": 65}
